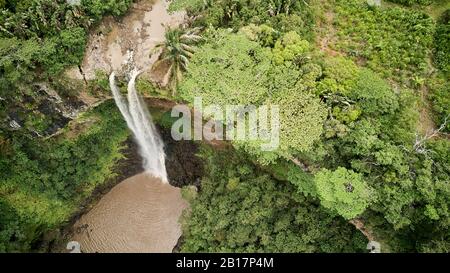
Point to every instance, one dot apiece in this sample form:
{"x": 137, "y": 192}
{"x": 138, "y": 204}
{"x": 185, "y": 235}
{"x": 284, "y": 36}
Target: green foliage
{"x": 401, "y": 125}
{"x": 378, "y": 146}
{"x": 66, "y": 50}
{"x": 46, "y": 18}
{"x": 339, "y": 76}
{"x": 40, "y": 18}
{"x": 298, "y": 131}
{"x": 223, "y": 72}
{"x": 98, "y": 8}
{"x": 283, "y": 16}
{"x": 442, "y": 42}
{"x": 43, "y": 182}
{"x": 263, "y": 34}
{"x": 189, "y": 5}
{"x": 373, "y": 94}
{"x": 17, "y": 58}
{"x": 287, "y": 171}
{"x": 412, "y": 2}
{"x": 40, "y": 38}
{"x": 228, "y": 69}
{"x": 240, "y": 209}
{"x": 343, "y": 191}
{"x": 301, "y": 124}
{"x": 440, "y": 98}
{"x": 394, "y": 42}
{"x": 177, "y": 49}
{"x": 289, "y": 47}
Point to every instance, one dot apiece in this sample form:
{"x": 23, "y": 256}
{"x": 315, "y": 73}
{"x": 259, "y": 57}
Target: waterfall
{"x": 140, "y": 122}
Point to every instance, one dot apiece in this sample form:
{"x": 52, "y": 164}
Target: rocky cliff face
{"x": 41, "y": 112}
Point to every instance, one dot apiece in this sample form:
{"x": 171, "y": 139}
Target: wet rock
{"x": 131, "y": 164}
{"x": 56, "y": 125}
{"x": 14, "y": 120}
{"x": 43, "y": 113}
{"x": 14, "y": 125}
{"x": 183, "y": 166}
{"x": 74, "y": 2}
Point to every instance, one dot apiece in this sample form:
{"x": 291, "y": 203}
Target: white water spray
{"x": 141, "y": 124}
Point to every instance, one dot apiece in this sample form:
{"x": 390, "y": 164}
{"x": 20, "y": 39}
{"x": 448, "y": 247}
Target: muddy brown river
{"x": 138, "y": 215}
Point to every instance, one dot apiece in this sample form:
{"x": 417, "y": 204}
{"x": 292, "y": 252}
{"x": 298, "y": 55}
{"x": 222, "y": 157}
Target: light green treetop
{"x": 289, "y": 47}
{"x": 343, "y": 191}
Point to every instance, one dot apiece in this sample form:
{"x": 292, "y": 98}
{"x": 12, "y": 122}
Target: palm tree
{"x": 177, "y": 49}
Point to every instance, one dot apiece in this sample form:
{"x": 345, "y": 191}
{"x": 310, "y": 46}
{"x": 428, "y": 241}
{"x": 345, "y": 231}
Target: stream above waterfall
{"x": 138, "y": 32}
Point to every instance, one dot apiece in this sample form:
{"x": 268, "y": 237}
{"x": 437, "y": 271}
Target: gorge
{"x": 87, "y": 155}
{"x": 141, "y": 213}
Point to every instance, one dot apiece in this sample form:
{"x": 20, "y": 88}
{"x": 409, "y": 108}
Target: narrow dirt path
{"x": 326, "y": 31}
{"x": 324, "y": 41}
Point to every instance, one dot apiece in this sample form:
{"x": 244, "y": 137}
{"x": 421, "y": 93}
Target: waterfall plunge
{"x": 141, "y": 124}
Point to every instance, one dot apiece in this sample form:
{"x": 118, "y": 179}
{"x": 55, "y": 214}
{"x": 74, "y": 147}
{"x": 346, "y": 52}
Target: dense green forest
{"x": 271, "y": 216}
{"x": 358, "y": 98}
{"x": 364, "y": 100}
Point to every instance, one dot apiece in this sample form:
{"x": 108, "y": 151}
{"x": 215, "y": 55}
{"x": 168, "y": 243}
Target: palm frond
{"x": 188, "y": 48}
{"x": 177, "y": 49}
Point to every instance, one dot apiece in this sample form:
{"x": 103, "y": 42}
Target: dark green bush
{"x": 442, "y": 43}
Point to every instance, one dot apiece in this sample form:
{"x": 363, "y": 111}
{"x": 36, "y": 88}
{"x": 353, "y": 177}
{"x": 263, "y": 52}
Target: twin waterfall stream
{"x": 141, "y": 213}
{"x": 139, "y": 120}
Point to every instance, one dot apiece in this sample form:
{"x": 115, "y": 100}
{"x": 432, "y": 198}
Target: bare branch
{"x": 419, "y": 145}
